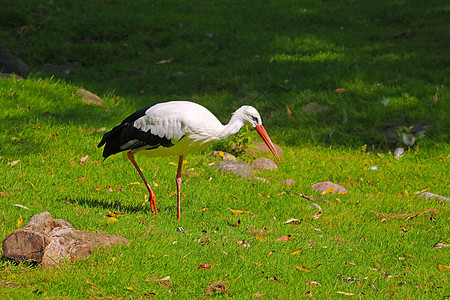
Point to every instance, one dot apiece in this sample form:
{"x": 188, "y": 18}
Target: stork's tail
{"x": 112, "y": 141}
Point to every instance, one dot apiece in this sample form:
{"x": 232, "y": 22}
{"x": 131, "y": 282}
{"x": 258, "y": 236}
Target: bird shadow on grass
{"x": 115, "y": 206}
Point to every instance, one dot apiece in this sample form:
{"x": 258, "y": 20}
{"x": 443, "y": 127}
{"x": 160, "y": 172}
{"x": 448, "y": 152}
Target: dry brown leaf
{"x": 284, "y": 238}
{"x": 204, "y": 267}
{"x": 82, "y": 179}
{"x": 296, "y": 251}
{"x": 444, "y": 268}
{"x": 236, "y": 211}
{"x": 317, "y": 216}
{"x": 313, "y": 283}
{"x": 20, "y": 221}
{"x": 345, "y": 293}
{"x": 303, "y": 268}
{"x": 115, "y": 214}
{"x": 13, "y": 163}
{"x": 260, "y": 238}
{"x": 440, "y": 245}
{"x": 293, "y": 221}
{"x": 83, "y": 159}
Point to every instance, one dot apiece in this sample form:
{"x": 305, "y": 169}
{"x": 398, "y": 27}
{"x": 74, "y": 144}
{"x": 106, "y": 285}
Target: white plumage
{"x": 175, "y": 128}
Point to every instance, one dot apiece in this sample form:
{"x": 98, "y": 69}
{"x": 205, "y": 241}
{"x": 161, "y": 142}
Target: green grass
{"x": 271, "y": 55}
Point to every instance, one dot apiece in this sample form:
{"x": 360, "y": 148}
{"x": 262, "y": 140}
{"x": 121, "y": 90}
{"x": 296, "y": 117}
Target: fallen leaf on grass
{"x": 296, "y": 251}
{"x": 135, "y": 183}
{"x": 444, "y": 268}
{"x": 313, "y": 283}
{"x": 82, "y": 179}
{"x": 440, "y": 245}
{"x": 20, "y": 221}
{"x": 13, "y": 163}
{"x": 130, "y": 288}
{"x": 21, "y": 206}
{"x": 260, "y": 238}
{"x": 236, "y": 211}
{"x": 151, "y": 294}
{"x": 204, "y": 267}
{"x": 84, "y": 159}
{"x": 345, "y": 293}
{"x": 115, "y": 214}
{"x": 303, "y": 268}
{"x": 293, "y": 221}
{"x": 317, "y": 216}
{"x": 216, "y": 287}
{"x": 111, "y": 220}
{"x": 284, "y": 238}
{"x": 242, "y": 243}
{"x": 4, "y": 194}
{"x": 164, "y": 61}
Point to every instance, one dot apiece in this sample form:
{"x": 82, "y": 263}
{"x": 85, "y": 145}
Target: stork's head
{"x": 251, "y": 117}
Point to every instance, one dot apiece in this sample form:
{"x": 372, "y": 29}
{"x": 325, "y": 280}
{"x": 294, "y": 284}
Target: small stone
{"x": 224, "y": 155}
{"x": 287, "y": 182}
{"x": 429, "y": 195}
{"x": 324, "y": 186}
{"x": 264, "y": 164}
{"x": 239, "y": 168}
{"x": 12, "y": 64}
{"x": 89, "y": 98}
{"x": 399, "y": 152}
{"x": 261, "y": 147}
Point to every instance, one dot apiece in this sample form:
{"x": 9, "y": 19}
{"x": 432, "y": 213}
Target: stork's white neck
{"x": 233, "y": 127}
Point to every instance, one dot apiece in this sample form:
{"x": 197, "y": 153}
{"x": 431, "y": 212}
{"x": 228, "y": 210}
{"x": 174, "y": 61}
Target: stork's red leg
{"x": 178, "y": 179}
{"x": 130, "y": 155}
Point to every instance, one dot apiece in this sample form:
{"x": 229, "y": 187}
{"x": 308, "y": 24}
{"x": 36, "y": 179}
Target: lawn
{"x": 379, "y": 71}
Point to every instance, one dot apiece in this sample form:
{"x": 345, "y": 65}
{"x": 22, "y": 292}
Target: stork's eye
{"x": 255, "y": 119}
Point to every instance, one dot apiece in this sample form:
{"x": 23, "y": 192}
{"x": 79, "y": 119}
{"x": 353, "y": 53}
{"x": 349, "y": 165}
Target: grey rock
{"x": 239, "y": 168}
{"x": 261, "y": 147}
{"x": 224, "y": 155}
{"x": 264, "y": 164}
{"x": 287, "y": 182}
{"x": 429, "y": 195}
{"x": 323, "y": 186}
{"x": 89, "y": 98}
{"x": 399, "y": 152}
{"x": 11, "y": 64}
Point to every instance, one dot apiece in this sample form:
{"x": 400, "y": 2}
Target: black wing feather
{"x": 115, "y": 139}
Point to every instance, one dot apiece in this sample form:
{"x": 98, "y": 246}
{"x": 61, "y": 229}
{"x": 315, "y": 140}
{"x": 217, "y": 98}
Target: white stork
{"x": 175, "y": 128}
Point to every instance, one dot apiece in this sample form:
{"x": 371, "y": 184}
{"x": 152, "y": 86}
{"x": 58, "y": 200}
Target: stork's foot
{"x": 153, "y": 203}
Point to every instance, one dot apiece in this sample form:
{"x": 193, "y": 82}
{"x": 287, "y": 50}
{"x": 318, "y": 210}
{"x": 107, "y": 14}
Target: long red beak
{"x": 262, "y": 132}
